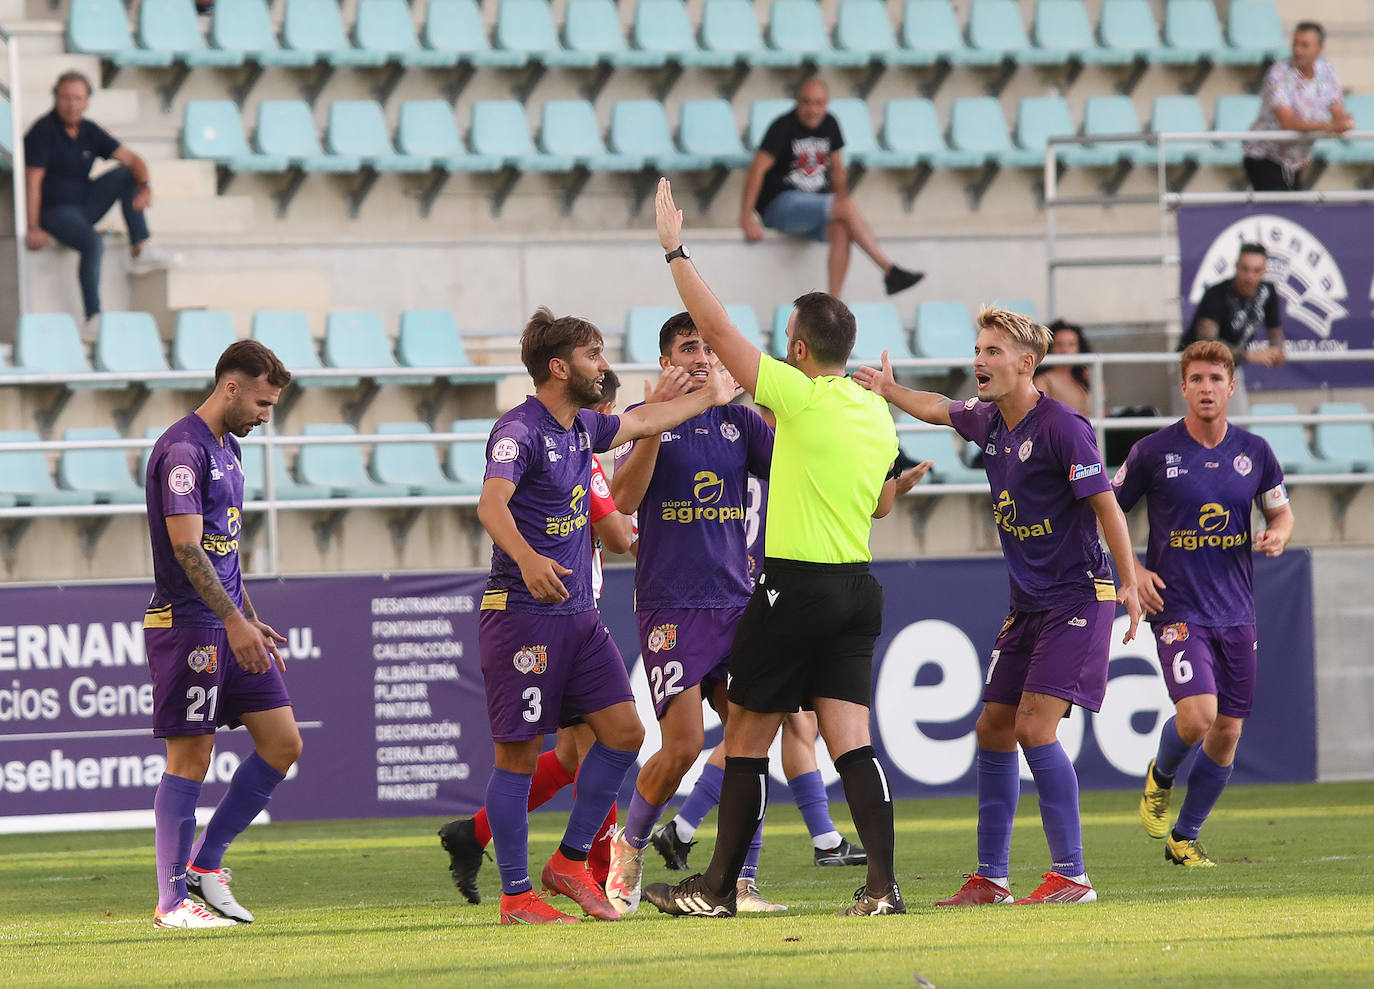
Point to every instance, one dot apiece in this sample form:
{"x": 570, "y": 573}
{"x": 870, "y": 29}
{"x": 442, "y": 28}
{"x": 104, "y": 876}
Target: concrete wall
{"x": 1345, "y": 663}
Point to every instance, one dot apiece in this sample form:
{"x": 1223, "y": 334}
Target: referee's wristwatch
{"x": 679, "y": 252}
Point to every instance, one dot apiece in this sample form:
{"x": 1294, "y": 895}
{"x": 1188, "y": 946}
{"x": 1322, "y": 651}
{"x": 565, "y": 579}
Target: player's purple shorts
{"x": 540, "y": 670}
{"x": 683, "y": 647}
{"x": 1201, "y": 660}
{"x": 198, "y": 684}
{"x": 1061, "y": 652}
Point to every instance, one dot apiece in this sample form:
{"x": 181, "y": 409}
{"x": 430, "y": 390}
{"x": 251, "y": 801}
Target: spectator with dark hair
{"x": 1301, "y": 93}
{"x": 1069, "y": 383}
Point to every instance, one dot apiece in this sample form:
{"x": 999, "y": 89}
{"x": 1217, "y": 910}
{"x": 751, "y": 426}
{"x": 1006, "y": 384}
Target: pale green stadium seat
{"x": 1359, "y": 151}
{"x": 245, "y": 26}
{"x": 456, "y": 26}
{"x": 798, "y": 26}
{"x": 930, "y": 31}
{"x": 1182, "y": 114}
{"x": 762, "y": 113}
{"x": 995, "y": 33}
{"x": 286, "y": 129}
{"x": 777, "y": 344}
{"x": 1235, "y": 112}
{"x": 171, "y": 26}
{"x": 430, "y": 338}
{"x": 413, "y": 465}
{"x": 129, "y": 341}
{"x": 663, "y": 26}
{"x": 1062, "y": 32}
{"x": 1109, "y": 115}
{"x": 285, "y": 487}
{"x": 201, "y": 336}
{"x": 101, "y": 27}
{"x": 6, "y": 136}
{"x": 527, "y": 26}
{"x": 1192, "y": 33}
{"x": 1289, "y": 442}
{"x": 385, "y": 27}
{"x": 731, "y": 27}
{"x": 467, "y": 459}
{"x": 860, "y": 143}
{"x": 287, "y": 334}
{"x": 568, "y": 129}
{"x": 863, "y": 27}
{"x": 642, "y": 325}
{"x": 1128, "y": 31}
{"x": 1039, "y": 118}
{"x": 1255, "y": 33}
{"x": 746, "y": 321}
{"x": 879, "y": 328}
{"x": 357, "y": 129}
{"x": 213, "y": 130}
{"x": 48, "y": 343}
{"x": 340, "y": 467}
{"x": 103, "y": 473}
{"x": 24, "y": 475}
{"x": 499, "y": 130}
{"x": 708, "y": 129}
{"x": 592, "y": 27}
{"x": 428, "y": 129}
{"x": 1352, "y": 441}
{"x": 942, "y": 446}
{"x": 316, "y": 27}
{"x": 945, "y": 329}
{"x": 357, "y": 339}
{"x": 911, "y": 125}
{"x": 977, "y": 127}
{"x": 1024, "y": 306}
{"x": 640, "y": 128}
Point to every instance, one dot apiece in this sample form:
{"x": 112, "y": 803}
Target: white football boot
{"x": 625, "y": 874}
{"x": 190, "y": 914}
{"x": 213, "y": 888}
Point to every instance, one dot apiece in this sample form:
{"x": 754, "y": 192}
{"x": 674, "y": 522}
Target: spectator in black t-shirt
{"x": 65, "y": 203}
{"x": 797, "y": 184}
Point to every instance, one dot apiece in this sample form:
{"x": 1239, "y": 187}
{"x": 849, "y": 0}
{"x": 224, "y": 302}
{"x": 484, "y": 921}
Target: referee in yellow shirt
{"x": 807, "y": 635}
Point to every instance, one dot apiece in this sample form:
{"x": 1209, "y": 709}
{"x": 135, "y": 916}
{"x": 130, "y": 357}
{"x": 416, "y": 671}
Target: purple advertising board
{"x": 386, "y": 682}
{"x": 1321, "y": 259}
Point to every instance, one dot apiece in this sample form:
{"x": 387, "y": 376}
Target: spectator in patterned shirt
{"x": 1301, "y": 93}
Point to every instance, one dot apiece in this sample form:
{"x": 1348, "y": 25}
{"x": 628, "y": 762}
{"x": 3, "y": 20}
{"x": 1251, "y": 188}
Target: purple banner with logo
{"x": 1321, "y": 259}
{"x": 385, "y": 678}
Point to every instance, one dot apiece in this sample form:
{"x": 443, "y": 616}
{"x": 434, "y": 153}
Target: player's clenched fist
{"x": 541, "y": 575}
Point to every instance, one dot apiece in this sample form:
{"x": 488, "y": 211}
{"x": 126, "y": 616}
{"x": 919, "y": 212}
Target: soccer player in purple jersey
{"x": 1201, "y": 476}
{"x": 212, "y": 660}
{"x": 690, "y": 486}
{"x": 546, "y": 656}
{"x": 1049, "y": 495}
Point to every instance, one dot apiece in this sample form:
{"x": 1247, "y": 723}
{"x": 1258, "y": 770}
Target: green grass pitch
{"x": 349, "y": 903}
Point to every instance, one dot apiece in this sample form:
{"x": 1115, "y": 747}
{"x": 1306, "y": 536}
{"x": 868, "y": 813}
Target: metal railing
{"x": 12, "y": 89}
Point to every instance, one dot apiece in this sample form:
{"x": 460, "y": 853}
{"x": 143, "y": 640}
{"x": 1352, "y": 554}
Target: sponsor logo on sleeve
{"x": 504, "y": 450}
{"x": 181, "y": 480}
{"x": 532, "y": 659}
{"x": 599, "y": 486}
{"x": 1080, "y": 471}
{"x": 203, "y": 659}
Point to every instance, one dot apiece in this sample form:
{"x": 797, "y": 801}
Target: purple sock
{"x": 808, "y": 790}
{"x": 1057, "y": 782}
{"x": 598, "y": 783}
{"x": 1172, "y": 751}
{"x": 508, "y": 797}
{"x": 751, "y": 861}
{"x": 174, "y": 829}
{"x": 999, "y": 789}
{"x": 1205, "y": 783}
{"x": 249, "y": 791}
{"x": 640, "y": 820}
{"x": 704, "y": 796}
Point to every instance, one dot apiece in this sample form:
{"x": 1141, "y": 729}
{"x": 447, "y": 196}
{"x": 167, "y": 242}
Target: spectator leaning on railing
{"x": 1301, "y": 93}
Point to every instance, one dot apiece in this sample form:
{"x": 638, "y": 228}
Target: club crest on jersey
{"x": 532, "y": 659}
{"x": 1025, "y": 451}
{"x": 584, "y": 442}
{"x": 1079, "y": 471}
{"x": 1177, "y": 632}
{"x": 663, "y": 638}
{"x": 203, "y": 659}
{"x": 730, "y": 431}
{"x": 1242, "y": 464}
{"x": 969, "y": 403}
{"x": 505, "y": 450}
{"x": 181, "y": 480}
{"x": 1119, "y": 478}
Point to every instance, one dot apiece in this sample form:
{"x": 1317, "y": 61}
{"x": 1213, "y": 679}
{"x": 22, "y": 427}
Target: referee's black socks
{"x": 870, "y": 804}
{"x": 743, "y": 799}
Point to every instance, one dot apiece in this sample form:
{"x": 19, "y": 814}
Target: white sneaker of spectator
{"x": 152, "y": 259}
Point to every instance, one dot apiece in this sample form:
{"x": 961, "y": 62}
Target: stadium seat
{"x": 860, "y": 143}
{"x": 213, "y": 130}
{"x": 640, "y": 128}
{"x": 568, "y": 129}
{"x": 1039, "y": 118}
{"x": 879, "y": 328}
{"x": 1289, "y": 442}
{"x": 642, "y": 325}
{"x": 527, "y": 26}
{"x": 200, "y": 337}
{"x": 24, "y": 474}
{"x": 762, "y": 113}
{"x": 730, "y": 27}
{"x": 944, "y": 329}
{"x": 797, "y": 26}
{"x": 1063, "y": 33}
{"x": 1255, "y": 32}
{"x": 357, "y": 129}
{"x": 1235, "y": 112}
{"x": 976, "y": 126}
{"x": 287, "y": 129}
{"x": 996, "y": 33}
{"x": 1105, "y": 116}
{"x": 170, "y": 26}
{"x": 1128, "y": 31}
{"x": 339, "y": 467}
{"x": 592, "y": 27}
{"x": 316, "y": 26}
{"x": 104, "y": 473}
{"x": 863, "y": 27}
{"x": 1192, "y": 33}
{"x": 467, "y": 459}
{"x": 48, "y": 343}
{"x": 129, "y": 341}
{"x": 708, "y": 130}
{"x": 499, "y": 130}
{"x": 1352, "y": 441}
{"x": 782, "y": 314}
{"x": 385, "y": 27}
{"x": 284, "y": 486}
{"x": 663, "y": 26}
{"x": 456, "y": 26}
{"x": 1359, "y": 151}
{"x": 430, "y": 338}
{"x": 1182, "y": 114}
{"x": 746, "y": 321}
{"x": 939, "y": 446}
{"x": 930, "y": 31}
{"x": 101, "y": 27}
{"x": 287, "y": 334}
{"x": 414, "y": 466}
{"x": 428, "y": 129}
{"x": 6, "y": 135}
{"x": 245, "y": 26}
{"x": 357, "y": 339}
{"x": 911, "y": 125}
{"x": 1024, "y": 306}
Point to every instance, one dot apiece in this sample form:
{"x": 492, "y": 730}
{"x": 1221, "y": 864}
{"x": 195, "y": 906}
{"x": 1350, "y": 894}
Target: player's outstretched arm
{"x": 540, "y": 574}
{"x": 924, "y": 405}
{"x": 1113, "y": 524}
{"x": 1278, "y": 530}
{"x": 635, "y": 470}
{"x": 248, "y": 644}
{"x": 721, "y": 335}
{"x": 648, "y": 420}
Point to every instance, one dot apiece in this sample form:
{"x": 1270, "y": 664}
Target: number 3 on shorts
{"x": 535, "y": 700}
{"x": 1183, "y": 670}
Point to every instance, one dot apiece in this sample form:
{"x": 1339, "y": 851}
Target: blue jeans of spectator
{"x": 73, "y": 224}
{"x": 801, "y": 214}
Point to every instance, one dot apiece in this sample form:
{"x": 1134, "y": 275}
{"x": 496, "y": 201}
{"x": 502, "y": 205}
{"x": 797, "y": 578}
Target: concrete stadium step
{"x": 190, "y": 217}
{"x": 239, "y": 290}
{"x": 36, "y": 37}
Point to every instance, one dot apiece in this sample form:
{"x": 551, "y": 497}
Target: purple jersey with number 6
{"x": 1199, "y": 509}
{"x": 1040, "y": 475}
{"x": 551, "y": 468}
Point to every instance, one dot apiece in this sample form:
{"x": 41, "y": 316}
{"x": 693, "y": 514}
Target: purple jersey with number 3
{"x": 1199, "y": 508}
{"x": 551, "y": 468}
{"x": 190, "y": 473}
{"x": 1040, "y": 475}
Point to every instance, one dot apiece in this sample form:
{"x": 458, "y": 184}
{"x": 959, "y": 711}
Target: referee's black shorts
{"x": 808, "y": 632}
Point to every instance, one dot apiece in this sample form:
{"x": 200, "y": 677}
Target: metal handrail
{"x": 13, "y": 87}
